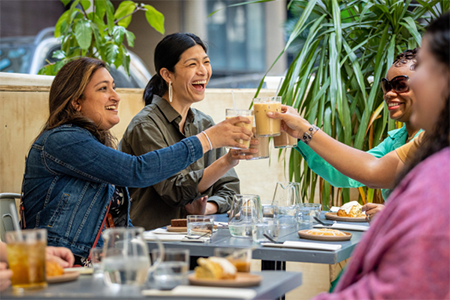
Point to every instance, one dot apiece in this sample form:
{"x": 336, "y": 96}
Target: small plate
{"x": 241, "y": 280}
{"x": 176, "y": 229}
{"x": 335, "y": 217}
{"x": 304, "y": 235}
{"x": 67, "y": 276}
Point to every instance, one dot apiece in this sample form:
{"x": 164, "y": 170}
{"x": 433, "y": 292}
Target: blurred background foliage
{"x": 83, "y": 32}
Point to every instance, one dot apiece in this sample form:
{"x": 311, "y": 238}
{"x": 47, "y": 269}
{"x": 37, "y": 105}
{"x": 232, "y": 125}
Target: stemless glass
{"x": 173, "y": 270}
{"x": 126, "y": 259}
{"x": 266, "y": 126}
{"x": 287, "y": 194}
{"x": 231, "y": 113}
{"x": 245, "y": 209}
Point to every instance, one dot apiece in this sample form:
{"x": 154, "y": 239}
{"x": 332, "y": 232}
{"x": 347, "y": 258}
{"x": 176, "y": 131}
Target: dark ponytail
{"x": 167, "y": 54}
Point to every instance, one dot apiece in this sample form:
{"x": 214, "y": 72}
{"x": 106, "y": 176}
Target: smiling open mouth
{"x": 199, "y": 85}
{"x": 394, "y": 105}
{"x": 111, "y": 107}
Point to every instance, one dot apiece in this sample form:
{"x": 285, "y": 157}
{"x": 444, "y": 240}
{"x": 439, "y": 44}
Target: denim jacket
{"x": 70, "y": 176}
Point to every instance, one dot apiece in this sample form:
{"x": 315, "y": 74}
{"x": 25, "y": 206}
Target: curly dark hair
{"x": 438, "y": 36}
{"x": 405, "y": 57}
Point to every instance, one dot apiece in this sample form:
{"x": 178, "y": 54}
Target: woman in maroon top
{"x": 406, "y": 253}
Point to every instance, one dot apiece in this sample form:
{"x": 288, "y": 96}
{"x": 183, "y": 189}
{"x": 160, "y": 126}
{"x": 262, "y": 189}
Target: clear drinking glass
{"x": 240, "y": 258}
{"x": 231, "y": 113}
{"x": 287, "y": 194}
{"x": 266, "y": 126}
{"x": 173, "y": 269}
{"x": 200, "y": 226}
{"x": 126, "y": 259}
{"x": 25, "y": 250}
{"x": 269, "y": 225}
{"x": 306, "y": 212}
{"x": 284, "y": 140}
{"x": 262, "y": 147}
{"x": 242, "y": 210}
{"x": 96, "y": 260}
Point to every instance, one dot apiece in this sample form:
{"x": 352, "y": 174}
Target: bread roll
{"x": 215, "y": 268}
{"x": 351, "y": 210}
{"x": 52, "y": 268}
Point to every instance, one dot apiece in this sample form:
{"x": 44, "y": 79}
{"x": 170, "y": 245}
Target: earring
{"x": 170, "y": 91}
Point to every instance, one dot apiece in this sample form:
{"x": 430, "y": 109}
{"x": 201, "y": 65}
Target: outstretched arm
{"x": 359, "y": 165}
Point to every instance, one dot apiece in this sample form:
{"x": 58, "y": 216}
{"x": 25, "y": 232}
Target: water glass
{"x": 126, "y": 259}
{"x": 26, "y": 258}
{"x": 240, "y": 258}
{"x": 266, "y": 226}
{"x": 200, "y": 226}
{"x": 245, "y": 209}
{"x": 287, "y": 195}
{"x": 173, "y": 269}
{"x": 96, "y": 260}
{"x": 306, "y": 212}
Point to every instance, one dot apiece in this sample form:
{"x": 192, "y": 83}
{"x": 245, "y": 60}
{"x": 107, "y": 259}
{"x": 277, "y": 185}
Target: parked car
{"x": 29, "y": 54}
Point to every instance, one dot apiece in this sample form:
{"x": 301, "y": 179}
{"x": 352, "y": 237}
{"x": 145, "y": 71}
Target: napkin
{"x": 203, "y": 292}
{"x": 344, "y": 226}
{"x": 304, "y": 245}
{"x": 173, "y": 238}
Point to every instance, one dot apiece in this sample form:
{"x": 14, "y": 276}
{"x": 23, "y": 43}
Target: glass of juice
{"x": 266, "y": 126}
{"x": 231, "y": 113}
{"x": 26, "y": 258}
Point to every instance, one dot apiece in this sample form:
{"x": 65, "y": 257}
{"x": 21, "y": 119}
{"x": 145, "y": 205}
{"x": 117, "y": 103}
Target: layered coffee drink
{"x": 284, "y": 140}
{"x": 231, "y": 113}
{"x": 266, "y": 126}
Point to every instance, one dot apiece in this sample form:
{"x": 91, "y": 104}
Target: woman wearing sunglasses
{"x": 399, "y": 99}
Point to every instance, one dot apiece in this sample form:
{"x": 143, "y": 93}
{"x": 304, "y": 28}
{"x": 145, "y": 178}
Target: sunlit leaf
{"x": 155, "y": 18}
{"x": 85, "y": 4}
{"x": 63, "y": 19}
{"x": 123, "y": 13}
{"x": 118, "y": 34}
{"x": 130, "y": 38}
{"x": 110, "y": 16}
{"x": 83, "y": 34}
{"x": 111, "y": 51}
{"x": 100, "y": 8}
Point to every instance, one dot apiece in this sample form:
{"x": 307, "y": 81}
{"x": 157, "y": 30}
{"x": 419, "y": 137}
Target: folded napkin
{"x": 173, "y": 238}
{"x": 304, "y": 245}
{"x": 344, "y": 226}
{"x": 203, "y": 292}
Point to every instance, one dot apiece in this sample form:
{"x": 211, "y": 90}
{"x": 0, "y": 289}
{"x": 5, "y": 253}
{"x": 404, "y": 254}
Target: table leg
{"x": 270, "y": 265}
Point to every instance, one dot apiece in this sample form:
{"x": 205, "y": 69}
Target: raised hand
{"x": 226, "y": 134}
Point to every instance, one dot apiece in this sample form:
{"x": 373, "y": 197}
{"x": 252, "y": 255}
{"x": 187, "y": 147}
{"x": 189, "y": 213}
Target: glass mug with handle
{"x": 126, "y": 260}
{"x": 245, "y": 209}
{"x": 287, "y": 195}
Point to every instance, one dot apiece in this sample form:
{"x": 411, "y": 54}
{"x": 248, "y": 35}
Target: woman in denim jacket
{"x": 73, "y": 175}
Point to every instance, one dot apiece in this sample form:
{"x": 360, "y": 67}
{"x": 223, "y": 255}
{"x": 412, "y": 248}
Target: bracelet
{"x": 209, "y": 141}
{"x": 307, "y": 136}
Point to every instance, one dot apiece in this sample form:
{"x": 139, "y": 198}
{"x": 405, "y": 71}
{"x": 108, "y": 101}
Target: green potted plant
{"x": 85, "y": 33}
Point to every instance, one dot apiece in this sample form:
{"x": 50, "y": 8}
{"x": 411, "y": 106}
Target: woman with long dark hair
{"x": 207, "y": 186}
{"x": 74, "y": 180}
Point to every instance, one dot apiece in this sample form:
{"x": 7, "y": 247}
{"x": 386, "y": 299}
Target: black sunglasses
{"x": 398, "y": 83}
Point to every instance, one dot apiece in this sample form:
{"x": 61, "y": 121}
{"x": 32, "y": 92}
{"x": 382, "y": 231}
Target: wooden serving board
{"x": 335, "y": 217}
{"x": 304, "y": 235}
{"x": 67, "y": 276}
{"x": 176, "y": 229}
{"x": 241, "y": 280}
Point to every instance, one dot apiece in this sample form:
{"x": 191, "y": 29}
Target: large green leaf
{"x": 109, "y": 16}
{"x": 118, "y": 34}
{"x": 111, "y": 51}
{"x": 155, "y": 18}
{"x": 59, "y": 27}
{"x": 83, "y": 34}
{"x": 123, "y": 13}
{"x": 85, "y": 4}
{"x": 100, "y": 8}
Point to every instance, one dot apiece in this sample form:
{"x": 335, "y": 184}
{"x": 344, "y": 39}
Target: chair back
{"x": 6, "y": 222}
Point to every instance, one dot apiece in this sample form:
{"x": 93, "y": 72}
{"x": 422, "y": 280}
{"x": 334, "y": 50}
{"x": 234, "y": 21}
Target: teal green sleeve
{"x": 328, "y": 172}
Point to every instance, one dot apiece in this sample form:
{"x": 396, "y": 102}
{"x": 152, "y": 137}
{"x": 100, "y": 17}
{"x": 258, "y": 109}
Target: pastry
{"x": 215, "y": 268}
{"x": 351, "y": 209}
{"x": 178, "y": 223}
{"x": 325, "y": 232}
{"x": 52, "y": 268}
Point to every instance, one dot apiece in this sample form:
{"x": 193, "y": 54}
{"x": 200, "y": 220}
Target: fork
{"x": 271, "y": 239}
